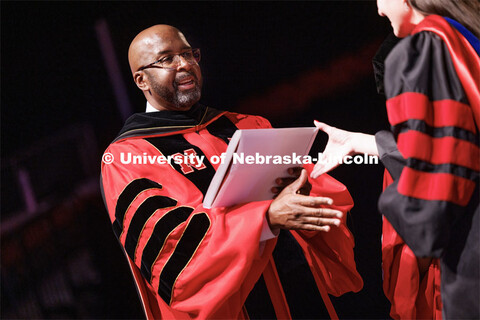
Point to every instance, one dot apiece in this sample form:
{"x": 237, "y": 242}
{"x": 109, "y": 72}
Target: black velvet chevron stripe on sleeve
{"x": 163, "y": 227}
{"x": 128, "y": 195}
{"x": 194, "y": 233}
{"x": 142, "y": 215}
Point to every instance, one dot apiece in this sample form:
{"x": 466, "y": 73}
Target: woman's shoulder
{"x": 424, "y": 37}
{"x": 421, "y": 63}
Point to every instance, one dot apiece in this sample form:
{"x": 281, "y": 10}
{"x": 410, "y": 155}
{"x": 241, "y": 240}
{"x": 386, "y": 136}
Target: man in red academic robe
{"x": 229, "y": 263}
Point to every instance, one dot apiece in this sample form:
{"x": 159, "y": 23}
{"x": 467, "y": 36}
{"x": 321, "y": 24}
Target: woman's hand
{"x": 339, "y": 145}
{"x": 342, "y": 143}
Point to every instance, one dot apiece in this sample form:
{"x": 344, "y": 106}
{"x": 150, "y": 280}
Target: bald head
{"x": 177, "y": 88}
{"x": 147, "y": 45}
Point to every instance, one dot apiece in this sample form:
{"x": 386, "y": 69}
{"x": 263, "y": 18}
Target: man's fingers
{"x": 316, "y": 223}
{"x": 312, "y": 227}
{"x": 321, "y": 221}
{"x": 276, "y": 190}
{"x": 298, "y": 184}
{"x": 313, "y": 201}
{"x": 283, "y": 182}
{"x": 295, "y": 171}
{"x": 291, "y": 210}
{"x": 321, "y": 212}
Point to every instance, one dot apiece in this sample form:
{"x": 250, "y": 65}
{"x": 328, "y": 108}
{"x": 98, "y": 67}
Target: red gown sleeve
{"x": 331, "y": 254}
{"x": 194, "y": 259}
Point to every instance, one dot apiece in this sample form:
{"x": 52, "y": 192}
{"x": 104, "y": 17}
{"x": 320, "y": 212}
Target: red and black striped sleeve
{"x": 435, "y": 131}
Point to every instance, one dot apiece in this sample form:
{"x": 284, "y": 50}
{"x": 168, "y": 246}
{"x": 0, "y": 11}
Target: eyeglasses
{"x": 172, "y": 61}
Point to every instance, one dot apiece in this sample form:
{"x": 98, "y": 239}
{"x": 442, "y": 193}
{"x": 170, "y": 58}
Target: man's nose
{"x": 183, "y": 63}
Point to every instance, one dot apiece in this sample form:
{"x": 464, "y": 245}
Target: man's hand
{"x": 283, "y": 182}
{"x": 291, "y": 210}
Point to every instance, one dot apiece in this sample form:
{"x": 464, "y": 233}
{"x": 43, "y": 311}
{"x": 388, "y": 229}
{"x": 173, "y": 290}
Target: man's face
{"x": 177, "y": 89}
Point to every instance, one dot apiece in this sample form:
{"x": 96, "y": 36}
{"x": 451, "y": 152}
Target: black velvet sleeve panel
{"x": 421, "y": 63}
{"x": 389, "y": 154}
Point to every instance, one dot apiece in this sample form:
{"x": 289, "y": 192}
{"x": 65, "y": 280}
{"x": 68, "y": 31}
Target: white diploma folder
{"x": 253, "y": 160}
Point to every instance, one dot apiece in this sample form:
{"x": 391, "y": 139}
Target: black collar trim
{"x": 167, "y": 122}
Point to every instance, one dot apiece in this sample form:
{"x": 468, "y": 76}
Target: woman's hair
{"x": 467, "y": 12}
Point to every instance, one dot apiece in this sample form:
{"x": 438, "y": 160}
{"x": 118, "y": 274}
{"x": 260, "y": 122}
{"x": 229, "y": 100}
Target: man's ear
{"x": 140, "y": 80}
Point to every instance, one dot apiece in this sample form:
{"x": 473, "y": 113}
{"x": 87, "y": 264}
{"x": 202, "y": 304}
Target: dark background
{"x": 291, "y": 62}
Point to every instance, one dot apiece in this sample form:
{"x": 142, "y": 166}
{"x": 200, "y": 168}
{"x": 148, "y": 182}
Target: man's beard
{"x": 182, "y": 100}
